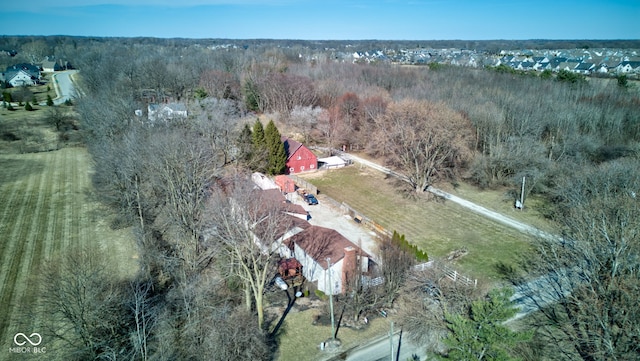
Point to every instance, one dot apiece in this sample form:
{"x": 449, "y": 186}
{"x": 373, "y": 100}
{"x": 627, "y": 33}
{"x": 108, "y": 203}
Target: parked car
{"x": 310, "y": 199}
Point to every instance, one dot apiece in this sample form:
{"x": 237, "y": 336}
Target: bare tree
{"x": 424, "y": 141}
{"x": 82, "y": 302}
{"x": 248, "y": 226}
{"x": 305, "y": 119}
{"x": 220, "y": 84}
{"x": 588, "y": 281}
{"x": 395, "y": 265}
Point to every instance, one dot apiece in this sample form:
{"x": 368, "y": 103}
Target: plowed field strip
{"x": 15, "y": 253}
{"x": 26, "y": 285}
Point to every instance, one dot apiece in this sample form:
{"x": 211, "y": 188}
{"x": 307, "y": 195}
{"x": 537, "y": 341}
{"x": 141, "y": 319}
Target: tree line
{"x": 576, "y": 142}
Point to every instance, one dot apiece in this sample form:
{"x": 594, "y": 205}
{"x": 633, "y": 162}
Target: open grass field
{"x": 24, "y": 131}
{"x": 46, "y": 207}
{"x": 438, "y": 227}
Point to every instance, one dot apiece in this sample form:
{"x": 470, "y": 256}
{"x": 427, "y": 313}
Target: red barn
{"x": 299, "y": 158}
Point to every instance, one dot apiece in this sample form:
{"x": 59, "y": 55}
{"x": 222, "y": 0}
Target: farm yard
{"x": 438, "y": 227}
{"x": 46, "y": 208}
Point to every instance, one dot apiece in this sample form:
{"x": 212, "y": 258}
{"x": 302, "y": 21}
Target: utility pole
{"x": 522, "y": 195}
{"x": 333, "y": 322}
{"x": 391, "y": 341}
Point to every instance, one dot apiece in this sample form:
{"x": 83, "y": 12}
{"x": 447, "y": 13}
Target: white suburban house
{"x": 328, "y": 259}
{"x": 21, "y": 75}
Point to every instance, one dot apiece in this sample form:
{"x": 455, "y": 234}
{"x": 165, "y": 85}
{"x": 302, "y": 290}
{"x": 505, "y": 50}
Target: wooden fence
{"x": 448, "y": 272}
{"x": 308, "y": 187}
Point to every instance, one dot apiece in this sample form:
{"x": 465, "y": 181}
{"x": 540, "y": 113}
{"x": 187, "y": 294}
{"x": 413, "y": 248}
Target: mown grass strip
{"x": 15, "y": 254}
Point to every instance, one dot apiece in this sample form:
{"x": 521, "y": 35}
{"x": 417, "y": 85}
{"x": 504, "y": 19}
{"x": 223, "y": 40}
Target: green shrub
{"x": 399, "y": 239}
{"x": 320, "y": 295}
{"x": 28, "y": 107}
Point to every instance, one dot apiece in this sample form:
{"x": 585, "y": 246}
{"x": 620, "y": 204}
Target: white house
{"x": 166, "y": 111}
{"x": 327, "y": 257}
{"x": 51, "y": 66}
{"x": 21, "y": 75}
{"x": 628, "y": 67}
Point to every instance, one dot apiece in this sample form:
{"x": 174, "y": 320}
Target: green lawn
{"x": 435, "y": 226}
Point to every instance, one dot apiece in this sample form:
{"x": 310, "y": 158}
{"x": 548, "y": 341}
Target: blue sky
{"x": 327, "y": 19}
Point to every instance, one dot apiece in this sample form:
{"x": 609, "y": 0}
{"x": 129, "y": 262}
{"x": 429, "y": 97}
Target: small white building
{"x": 331, "y": 162}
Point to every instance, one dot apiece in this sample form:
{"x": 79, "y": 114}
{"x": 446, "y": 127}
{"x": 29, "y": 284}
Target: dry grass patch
{"x": 299, "y": 339}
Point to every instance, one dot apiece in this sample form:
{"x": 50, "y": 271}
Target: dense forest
{"x": 199, "y": 290}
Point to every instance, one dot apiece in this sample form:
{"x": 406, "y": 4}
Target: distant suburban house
{"x": 585, "y": 68}
{"x": 628, "y": 67}
{"x": 299, "y": 158}
{"x": 21, "y": 75}
{"x": 51, "y": 66}
{"x": 328, "y": 259}
{"x": 166, "y": 111}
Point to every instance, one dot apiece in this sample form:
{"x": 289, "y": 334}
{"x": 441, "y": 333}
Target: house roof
{"x": 275, "y": 196}
{"x": 332, "y": 161}
{"x": 263, "y": 181}
{"x": 321, "y": 243}
{"x": 29, "y": 68}
{"x": 290, "y": 146}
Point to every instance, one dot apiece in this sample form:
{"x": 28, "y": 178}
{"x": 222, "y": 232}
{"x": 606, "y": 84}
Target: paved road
{"x": 379, "y": 349}
{"x": 63, "y": 84}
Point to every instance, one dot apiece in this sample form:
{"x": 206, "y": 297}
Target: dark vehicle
{"x": 310, "y": 199}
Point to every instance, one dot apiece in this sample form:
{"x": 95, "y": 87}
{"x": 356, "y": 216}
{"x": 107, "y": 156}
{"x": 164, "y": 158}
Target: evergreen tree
{"x": 28, "y": 107}
{"x": 277, "y": 158}
{"x": 260, "y": 151}
{"x": 245, "y": 145}
{"x": 258, "y": 136}
{"x": 49, "y": 100}
{"x": 482, "y": 335}
{"x": 251, "y": 96}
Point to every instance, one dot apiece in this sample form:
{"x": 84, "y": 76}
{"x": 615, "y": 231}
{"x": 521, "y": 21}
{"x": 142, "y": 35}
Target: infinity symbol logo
{"x": 27, "y": 339}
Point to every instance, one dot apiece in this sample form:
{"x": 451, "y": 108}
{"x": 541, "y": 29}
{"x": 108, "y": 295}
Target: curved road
{"x": 63, "y": 84}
